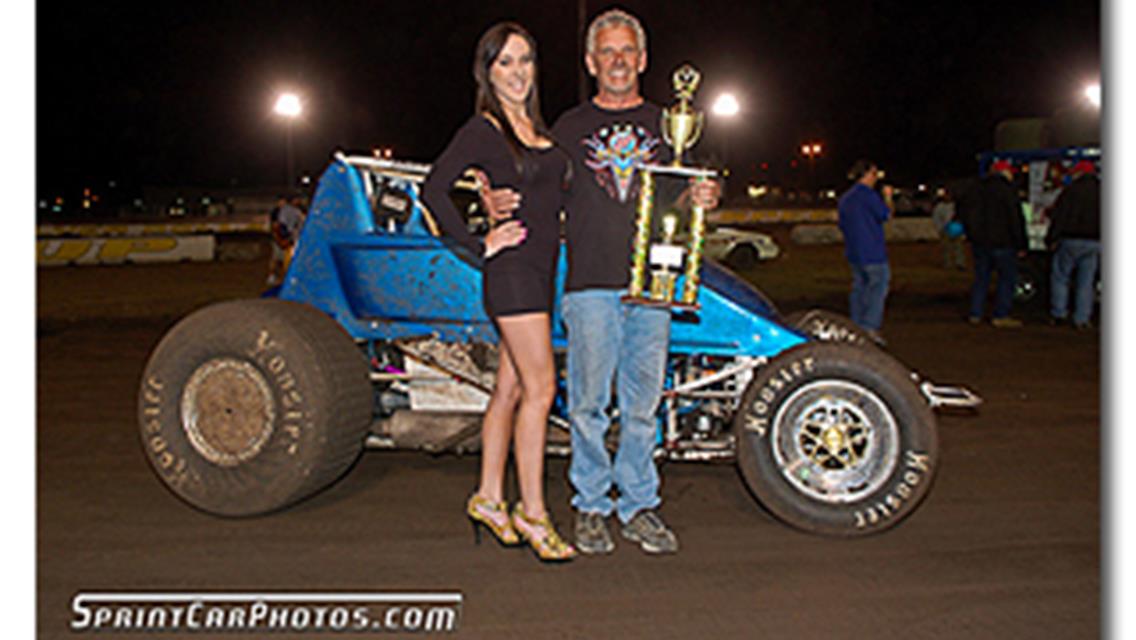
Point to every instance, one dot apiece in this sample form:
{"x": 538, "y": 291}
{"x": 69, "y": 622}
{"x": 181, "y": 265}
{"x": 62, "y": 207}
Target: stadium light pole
{"x": 1093, "y": 95}
{"x": 289, "y": 107}
{"x": 726, "y": 108}
{"x": 811, "y": 150}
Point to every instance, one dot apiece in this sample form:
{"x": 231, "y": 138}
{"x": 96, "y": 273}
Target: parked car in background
{"x": 738, "y": 248}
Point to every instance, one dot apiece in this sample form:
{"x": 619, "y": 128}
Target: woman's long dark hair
{"x": 488, "y": 48}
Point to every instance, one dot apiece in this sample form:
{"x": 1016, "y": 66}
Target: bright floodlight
{"x": 1092, "y": 92}
{"x": 726, "y": 105}
{"x": 288, "y": 105}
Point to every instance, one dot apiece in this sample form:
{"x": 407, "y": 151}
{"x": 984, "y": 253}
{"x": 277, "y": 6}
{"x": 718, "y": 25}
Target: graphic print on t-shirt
{"x": 615, "y": 153}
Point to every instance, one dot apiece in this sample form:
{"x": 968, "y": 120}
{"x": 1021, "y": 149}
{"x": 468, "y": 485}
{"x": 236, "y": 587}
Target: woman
{"x": 507, "y": 140}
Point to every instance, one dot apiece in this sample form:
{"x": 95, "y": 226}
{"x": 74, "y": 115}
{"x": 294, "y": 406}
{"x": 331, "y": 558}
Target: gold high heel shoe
{"x": 542, "y": 537}
{"x": 481, "y": 511}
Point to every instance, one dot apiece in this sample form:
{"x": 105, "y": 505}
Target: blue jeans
{"x": 606, "y": 339}
{"x": 869, "y": 291}
{"x": 1084, "y": 256}
{"x": 986, "y": 261}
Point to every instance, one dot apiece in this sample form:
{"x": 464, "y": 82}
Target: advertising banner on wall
{"x": 120, "y": 250}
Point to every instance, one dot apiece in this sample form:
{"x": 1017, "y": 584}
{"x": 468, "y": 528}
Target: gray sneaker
{"x": 591, "y": 534}
{"x": 652, "y": 534}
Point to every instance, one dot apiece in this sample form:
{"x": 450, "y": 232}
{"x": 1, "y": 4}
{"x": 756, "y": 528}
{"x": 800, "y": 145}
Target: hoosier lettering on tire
{"x": 827, "y": 326}
{"x": 835, "y": 439}
{"x": 249, "y": 406}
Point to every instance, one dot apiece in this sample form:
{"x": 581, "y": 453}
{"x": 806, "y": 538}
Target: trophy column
{"x": 657, "y": 264}
{"x": 642, "y": 235}
{"x": 693, "y": 275}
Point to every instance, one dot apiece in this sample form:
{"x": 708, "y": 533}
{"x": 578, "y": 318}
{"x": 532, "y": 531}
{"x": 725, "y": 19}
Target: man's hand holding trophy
{"x": 660, "y": 256}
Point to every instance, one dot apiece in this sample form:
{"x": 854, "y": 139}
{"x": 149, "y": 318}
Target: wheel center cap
{"x": 228, "y": 411}
{"x": 833, "y": 438}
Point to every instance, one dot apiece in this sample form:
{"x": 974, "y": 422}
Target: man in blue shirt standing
{"x": 863, "y": 213}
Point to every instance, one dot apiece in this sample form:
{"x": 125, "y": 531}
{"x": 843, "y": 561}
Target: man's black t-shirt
{"x": 607, "y": 149}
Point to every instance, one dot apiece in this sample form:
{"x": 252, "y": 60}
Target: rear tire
{"x": 246, "y": 407}
{"x": 836, "y": 440}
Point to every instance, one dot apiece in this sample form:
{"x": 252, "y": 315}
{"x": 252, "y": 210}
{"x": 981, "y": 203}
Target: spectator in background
{"x": 862, "y": 214}
{"x": 284, "y": 222}
{"x": 1074, "y": 230}
{"x": 950, "y": 230}
{"x": 967, "y": 196}
{"x": 996, "y": 229}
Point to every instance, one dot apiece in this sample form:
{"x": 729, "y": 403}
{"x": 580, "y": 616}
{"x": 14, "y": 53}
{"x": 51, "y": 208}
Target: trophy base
{"x": 659, "y": 304}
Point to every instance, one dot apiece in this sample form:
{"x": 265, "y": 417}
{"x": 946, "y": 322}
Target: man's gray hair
{"x": 615, "y": 18}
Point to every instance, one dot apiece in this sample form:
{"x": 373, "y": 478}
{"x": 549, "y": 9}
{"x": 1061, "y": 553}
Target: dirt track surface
{"x": 1006, "y": 545}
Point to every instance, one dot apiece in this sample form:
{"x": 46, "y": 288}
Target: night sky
{"x": 181, "y": 93}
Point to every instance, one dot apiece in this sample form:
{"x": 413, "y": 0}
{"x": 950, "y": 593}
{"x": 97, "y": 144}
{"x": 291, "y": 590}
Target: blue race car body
{"x": 386, "y": 276}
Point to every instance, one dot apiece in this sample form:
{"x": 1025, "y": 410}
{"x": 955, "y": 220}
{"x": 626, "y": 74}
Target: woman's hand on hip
{"x": 503, "y": 236}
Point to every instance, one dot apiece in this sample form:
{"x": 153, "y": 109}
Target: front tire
{"x": 246, "y": 407}
{"x": 836, "y": 440}
{"x": 827, "y": 326}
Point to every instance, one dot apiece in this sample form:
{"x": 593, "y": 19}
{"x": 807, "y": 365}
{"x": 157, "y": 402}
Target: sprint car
{"x": 377, "y": 339}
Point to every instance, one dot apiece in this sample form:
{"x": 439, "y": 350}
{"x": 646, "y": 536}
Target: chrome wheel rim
{"x": 835, "y": 441}
{"x": 1025, "y": 289}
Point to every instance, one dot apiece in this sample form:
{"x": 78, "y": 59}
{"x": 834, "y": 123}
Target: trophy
{"x": 681, "y": 124}
{"x": 659, "y": 257}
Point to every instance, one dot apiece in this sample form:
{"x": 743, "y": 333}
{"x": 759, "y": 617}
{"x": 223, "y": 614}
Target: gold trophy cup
{"x": 663, "y": 258}
{"x": 681, "y": 124}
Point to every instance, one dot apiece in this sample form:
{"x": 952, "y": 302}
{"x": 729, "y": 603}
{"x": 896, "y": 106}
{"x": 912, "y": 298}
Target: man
{"x": 1074, "y": 228}
{"x": 945, "y": 220}
{"x": 862, "y": 214}
{"x": 609, "y": 138}
{"x": 284, "y": 224}
{"x": 997, "y": 234}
